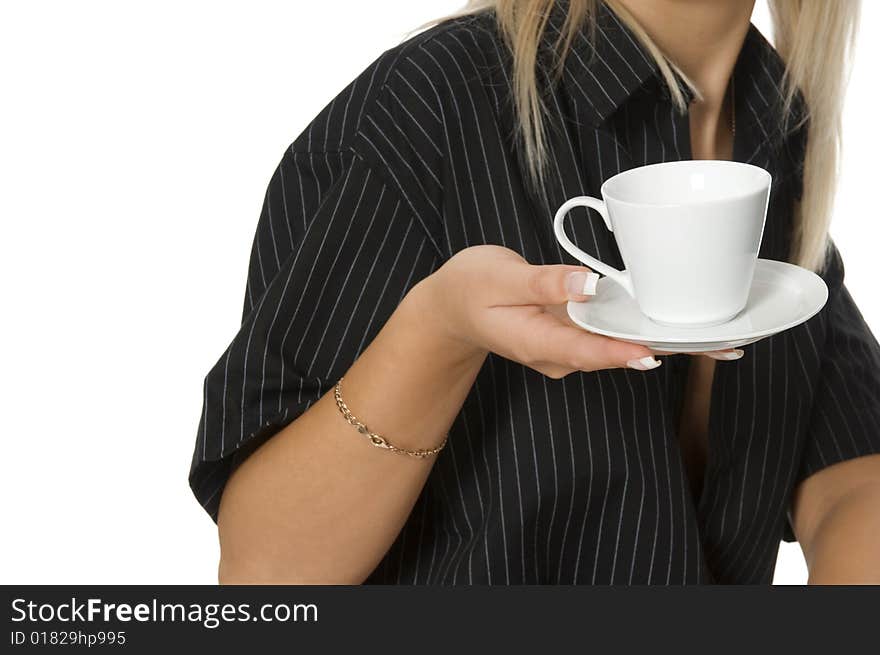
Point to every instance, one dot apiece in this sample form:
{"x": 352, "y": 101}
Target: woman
{"x": 405, "y": 245}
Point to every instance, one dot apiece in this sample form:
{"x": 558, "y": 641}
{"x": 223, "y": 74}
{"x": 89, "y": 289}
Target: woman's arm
{"x": 317, "y": 503}
{"x": 836, "y": 517}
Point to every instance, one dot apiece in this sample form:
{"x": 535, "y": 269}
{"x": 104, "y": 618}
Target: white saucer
{"x": 782, "y": 296}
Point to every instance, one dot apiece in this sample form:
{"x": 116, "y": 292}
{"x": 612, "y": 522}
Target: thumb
{"x": 551, "y": 284}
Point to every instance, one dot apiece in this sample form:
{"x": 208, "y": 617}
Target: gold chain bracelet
{"x": 377, "y": 439}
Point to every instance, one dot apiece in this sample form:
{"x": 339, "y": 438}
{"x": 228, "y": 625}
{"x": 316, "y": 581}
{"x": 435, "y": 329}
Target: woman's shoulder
{"x": 415, "y": 83}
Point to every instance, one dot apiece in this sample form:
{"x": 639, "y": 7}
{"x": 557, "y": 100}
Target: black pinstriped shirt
{"x": 579, "y": 480}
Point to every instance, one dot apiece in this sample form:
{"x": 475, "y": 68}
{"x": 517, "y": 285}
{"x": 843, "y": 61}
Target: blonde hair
{"x": 814, "y": 39}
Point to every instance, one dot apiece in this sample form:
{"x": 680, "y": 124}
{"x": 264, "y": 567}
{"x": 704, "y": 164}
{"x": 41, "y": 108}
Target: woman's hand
{"x": 489, "y": 299}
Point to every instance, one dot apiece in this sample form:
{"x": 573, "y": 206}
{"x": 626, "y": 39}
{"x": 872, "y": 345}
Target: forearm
{"x": 317, "y": 503}
{"x": 845, "y": 546}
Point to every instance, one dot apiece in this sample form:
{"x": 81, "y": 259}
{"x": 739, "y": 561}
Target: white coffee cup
{"x": 689, "y": 233}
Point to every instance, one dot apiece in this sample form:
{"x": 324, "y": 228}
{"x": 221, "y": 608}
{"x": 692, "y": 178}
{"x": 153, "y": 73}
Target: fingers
{"x": 518, "y": 295}
{"x": 725, "y": 355}
{"x": 519, "y": 283}
{"x": 585, "y": 351}
{"x": 542, "y": 342}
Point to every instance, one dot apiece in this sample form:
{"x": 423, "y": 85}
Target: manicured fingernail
{"x": 582, "y": 283}
{"x": 736, "y": 353}
{"x": 643, "y": 364}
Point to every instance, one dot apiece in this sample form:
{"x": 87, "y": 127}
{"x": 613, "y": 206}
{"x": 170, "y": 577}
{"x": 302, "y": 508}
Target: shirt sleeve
{"x": 335, "y": 251}
{"x": 844, "y": 422}
{"x": 845, "y": 419}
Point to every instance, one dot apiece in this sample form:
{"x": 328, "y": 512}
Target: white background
{"x": 136, "y": 143}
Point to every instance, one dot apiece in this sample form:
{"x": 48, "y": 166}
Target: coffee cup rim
{"x": 767, "y": 180}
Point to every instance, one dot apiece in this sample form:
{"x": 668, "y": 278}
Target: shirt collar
{"x": 759, "y": 75}
{"x": 603, "y": 73}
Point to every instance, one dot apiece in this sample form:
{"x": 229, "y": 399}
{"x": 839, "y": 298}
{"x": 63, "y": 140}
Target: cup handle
{"x": 620, "y": 277}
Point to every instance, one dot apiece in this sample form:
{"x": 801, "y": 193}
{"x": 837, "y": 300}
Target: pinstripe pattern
{"x": 579, "y": 480}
